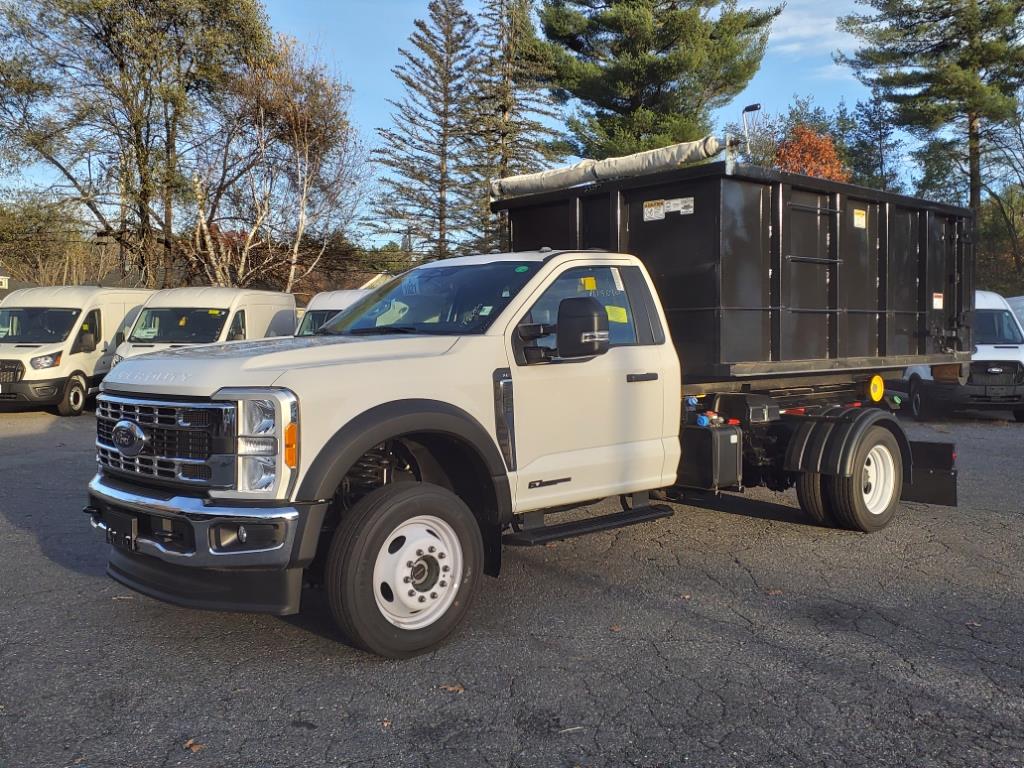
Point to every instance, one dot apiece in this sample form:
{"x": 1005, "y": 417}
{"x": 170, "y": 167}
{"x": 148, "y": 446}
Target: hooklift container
{"x": 769, "y": 277}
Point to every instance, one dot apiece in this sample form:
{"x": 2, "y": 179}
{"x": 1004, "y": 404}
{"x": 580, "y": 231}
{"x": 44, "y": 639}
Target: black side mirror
{"x": 86, "y": 342}
{"x": 582, "y": 328}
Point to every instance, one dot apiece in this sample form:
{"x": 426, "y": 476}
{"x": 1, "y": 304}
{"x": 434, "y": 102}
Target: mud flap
{"x": 934, "y": 474}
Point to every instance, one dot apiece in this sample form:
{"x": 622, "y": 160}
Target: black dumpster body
{"x": 771, "y": 279}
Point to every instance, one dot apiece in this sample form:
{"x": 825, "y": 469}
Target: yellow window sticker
{"x": 616, "y": 314}
{"x": 182, "y": 321}
{"x": 588, "y": 283}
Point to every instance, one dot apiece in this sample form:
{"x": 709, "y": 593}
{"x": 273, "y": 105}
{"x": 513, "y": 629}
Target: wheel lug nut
{"x": 440, "y": 555}
{"x": 445, "y": 568}
{"x": 433, "y": 595}
{"x": 423, "y": 599}
{"x": 408, "y": 563}
{"x": 412, "y": 593}
{"x": 407, "y": 579}
{"x": 431, "y": 550}
{"x": 444, "y": 583}
{"x": 419, "y": 553}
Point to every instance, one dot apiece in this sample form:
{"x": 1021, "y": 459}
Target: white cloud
{"x": 808, "y": 27}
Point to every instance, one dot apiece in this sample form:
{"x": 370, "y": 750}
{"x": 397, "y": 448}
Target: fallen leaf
{"x": 194, "y": 746}
{"x": 122, "y": 597}
{"x": 571, "y": 730}
{"x": 616, "y": 627}
{"x": 686, "y": 596}
{"x": 551, "y": 544}
{"x": 973, "y": 624}
{"x": 385, "y": 724}
{"x": 452, "y": 687}
{"x": 774, "y": 592}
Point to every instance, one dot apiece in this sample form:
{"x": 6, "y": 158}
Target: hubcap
{"x": 417, "y": 572}
{"x": 879, "y": 479}
{"x": 77, "y": 397}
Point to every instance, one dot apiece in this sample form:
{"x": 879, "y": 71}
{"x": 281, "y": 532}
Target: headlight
{"x": 45, "y": 361}
{"x": 115, "y": 360}
{"x": 267, "y": 431}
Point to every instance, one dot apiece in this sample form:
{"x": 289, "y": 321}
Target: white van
{"x": 56, "y": 344}
{"x": 996, "y": 379}
{"x": 324, "y": 306}
{"x": 178, "y": 317}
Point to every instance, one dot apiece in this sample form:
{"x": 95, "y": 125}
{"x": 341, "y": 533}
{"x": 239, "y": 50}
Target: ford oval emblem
{"x": 995, "y": 370}
{"x": 129, "y": 438}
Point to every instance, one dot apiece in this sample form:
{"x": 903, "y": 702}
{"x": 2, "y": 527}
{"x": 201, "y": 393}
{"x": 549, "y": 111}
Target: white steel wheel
{"x": 879, "y": 479}
{"x": 417, "y": 572}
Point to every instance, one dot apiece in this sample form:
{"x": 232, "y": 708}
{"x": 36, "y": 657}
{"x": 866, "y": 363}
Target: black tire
{"x": 846, "y": 494}
{"x": 920, "y": 408}
{"x": 812, "y": 498}
{"x": 361, "y": 535}
{"x": 72, "y": 402}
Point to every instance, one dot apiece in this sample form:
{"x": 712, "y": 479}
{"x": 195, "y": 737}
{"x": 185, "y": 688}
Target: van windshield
{"x": 170, "y": 325}
{"x": 35, "y": 325}
{"x": 455, "y": 300}
{"x": 313, "y": 319}
{"x": 996, "y": 326}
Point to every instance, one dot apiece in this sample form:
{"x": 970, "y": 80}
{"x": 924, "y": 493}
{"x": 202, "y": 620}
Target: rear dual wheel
{"x": 866, "y": 500}
{"x": 403, "y": 567}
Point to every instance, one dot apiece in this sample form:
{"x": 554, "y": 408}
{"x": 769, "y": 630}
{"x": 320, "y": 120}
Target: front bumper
{"x": 974, "y": 396}
{"x": 32, "y": 392}
{"x": 178, "y": 556}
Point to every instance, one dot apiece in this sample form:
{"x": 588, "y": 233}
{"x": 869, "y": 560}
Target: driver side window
{"x": 237, "y": 330}
{"x": 91, "y": 324}
{"x": 601, "y": 283}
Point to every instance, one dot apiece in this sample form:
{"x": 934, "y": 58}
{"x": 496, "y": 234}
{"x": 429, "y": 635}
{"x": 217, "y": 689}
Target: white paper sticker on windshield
{"x": 937, "y": 299}
{"x": 485, "y": 311}
{"x": 654, "y": 210}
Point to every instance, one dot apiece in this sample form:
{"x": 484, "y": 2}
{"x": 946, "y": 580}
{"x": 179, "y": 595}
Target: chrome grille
{"x": 181, "y": 439}
{"x": 11, "y": 371}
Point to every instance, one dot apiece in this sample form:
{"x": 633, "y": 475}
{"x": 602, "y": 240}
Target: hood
{"x": 29, "y": 349}
{"x": 201, "y": 370}
{"x": 132, "y": 348}
{"x": 998, "y": 352}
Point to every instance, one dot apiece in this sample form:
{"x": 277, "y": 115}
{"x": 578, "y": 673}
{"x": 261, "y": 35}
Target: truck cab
{"x": 994, "y": 380}
{"x": 324, "y": 306}
{"x": 178, "y": 317}
{"x": 57, "y": 344}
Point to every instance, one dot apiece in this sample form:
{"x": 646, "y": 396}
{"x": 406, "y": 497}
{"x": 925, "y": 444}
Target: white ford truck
{"x": 457, "y": 408}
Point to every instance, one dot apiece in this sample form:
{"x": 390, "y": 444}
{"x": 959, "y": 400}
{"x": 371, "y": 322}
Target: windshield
{"x": 35, "y": 325}
{"x": 168, "y": 325}
{"x": 996, "y": 326}
{"x": 313, "y": 319}
{"x": 457, "y": 300}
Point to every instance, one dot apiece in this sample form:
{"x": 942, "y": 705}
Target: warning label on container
{"x": 654, "y": 210}
{"x": 681, "y": 205}
{"x": 937, "y": 300}
{"x": 860, "y": 218}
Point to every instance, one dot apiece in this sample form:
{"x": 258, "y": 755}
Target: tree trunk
{"x": 974, "y": 160}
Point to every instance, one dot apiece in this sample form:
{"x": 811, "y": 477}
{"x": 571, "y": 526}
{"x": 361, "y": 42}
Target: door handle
{"x": 635, "y": 377}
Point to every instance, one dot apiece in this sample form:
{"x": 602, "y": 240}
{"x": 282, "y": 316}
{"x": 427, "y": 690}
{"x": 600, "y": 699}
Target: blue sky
{"x": 360, "y": 40}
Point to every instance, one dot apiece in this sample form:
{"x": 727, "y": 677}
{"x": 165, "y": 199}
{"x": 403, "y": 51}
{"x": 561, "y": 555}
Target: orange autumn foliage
{"x": 810, "y": 153}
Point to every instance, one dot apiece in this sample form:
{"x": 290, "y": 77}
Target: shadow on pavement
{"x": 744, "y": 506}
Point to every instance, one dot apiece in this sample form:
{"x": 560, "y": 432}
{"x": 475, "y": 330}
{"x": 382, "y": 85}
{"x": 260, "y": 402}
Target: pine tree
{"x": 873, "y": 147}
{"x": 426, "y": 190}
{"x": 954, "y": 64}
{"x": 649, "y": 72}
{"x": 515, "y": 113}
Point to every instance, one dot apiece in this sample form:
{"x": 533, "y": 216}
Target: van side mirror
{"x": 86, "y": 342}
{"x": 582, "y": 328}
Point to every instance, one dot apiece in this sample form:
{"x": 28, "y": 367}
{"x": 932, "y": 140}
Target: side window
{"x": 237, "y": 330}
{"x": 91, "y": 324}
{"x": 602, "y": 283}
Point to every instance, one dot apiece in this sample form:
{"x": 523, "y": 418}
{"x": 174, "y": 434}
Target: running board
{"x": 542, "y": 534}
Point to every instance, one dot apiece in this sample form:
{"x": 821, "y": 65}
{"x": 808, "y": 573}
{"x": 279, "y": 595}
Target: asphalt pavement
{"x": 732, "y": 634}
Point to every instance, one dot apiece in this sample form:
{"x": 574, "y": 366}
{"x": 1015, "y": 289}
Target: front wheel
{"x": 72, "y": 403}
{"x": 403, "y": 567}
{"x": 867, "y": 500}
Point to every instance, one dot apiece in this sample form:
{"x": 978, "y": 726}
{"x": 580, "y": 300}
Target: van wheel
{"x": 403, "y": 566}
{"x": 73, "y": 401}
{"x": 812, "y": 498}
{"x": 920, "y": 409}
{"x": 867, "y": 500}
